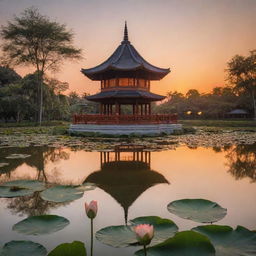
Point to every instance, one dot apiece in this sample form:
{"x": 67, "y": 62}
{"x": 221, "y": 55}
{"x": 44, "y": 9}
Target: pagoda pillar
{"x": 149, "y": 109}
{"x": 101, "y": 108}
{"x": 115, "y": 108}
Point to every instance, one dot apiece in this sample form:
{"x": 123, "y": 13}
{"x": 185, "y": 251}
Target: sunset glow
{"x": 195, "y": 39}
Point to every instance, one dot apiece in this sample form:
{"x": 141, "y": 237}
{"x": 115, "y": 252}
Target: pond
{"x": 132, "y": 181}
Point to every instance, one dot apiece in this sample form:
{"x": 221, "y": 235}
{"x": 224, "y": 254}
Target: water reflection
{"x": 241, "y": 161}
{"x": 32, "y": 205}
{"x": 39, "y": 157}
{"x": 125, "y": 174}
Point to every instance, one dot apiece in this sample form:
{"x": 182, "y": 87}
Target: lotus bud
{"x": 144, "y": 233}
{"x": 91, "y": 209}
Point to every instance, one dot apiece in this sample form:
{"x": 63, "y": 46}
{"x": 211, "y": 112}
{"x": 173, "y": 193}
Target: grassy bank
{"x": 219, "y": 123}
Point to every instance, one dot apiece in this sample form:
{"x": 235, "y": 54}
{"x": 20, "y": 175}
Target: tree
{"x": 242, "y": 75}
{"x": 33, "y": 39}
{"x": 8, "y": 76}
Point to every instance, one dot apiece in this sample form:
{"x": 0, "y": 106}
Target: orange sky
{"x": 195, "y": 38}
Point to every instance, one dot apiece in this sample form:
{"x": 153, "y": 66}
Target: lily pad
{"x": 229, "y": 242}
{"x": 163, "y": 228}
{"x": 18, "y": 156}
{"x": 23, "y": 248}
{"x": 122, "y": 236}
{"x": 117, "y": 236}
{"x": 186, "y": 243}
{"x": 60, "y": 194}
{"x": 3, "y": 164}
{"x": 39, "y": 225}
{"x": 199, "y": 210}
{"x": 86, "y": 186}
{"x": 34, "y": 185}
{"x": 75, "y": 248}
{"x": 14, "y": 191}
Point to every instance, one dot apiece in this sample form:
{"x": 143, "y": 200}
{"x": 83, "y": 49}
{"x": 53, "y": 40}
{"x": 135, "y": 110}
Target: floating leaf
{"x": 75, "y": 248}
{"x": 23, "y": 248}
{"x": 229, "y": 242}
{"x": 14, "y": 191}
{"x": 163, "y": 228}
{"x": 60, "y": 194}
{"x": 43, "y": 224}
{"x": 199, "y": 210}
{"x": 18, "y": 156}
{"x": 86, "y": 186}
{"x": 122, "y": 236}
{"x": 186, "y": 243}
{"x": 34, "y": 185}
{"x": 117, "y": 236}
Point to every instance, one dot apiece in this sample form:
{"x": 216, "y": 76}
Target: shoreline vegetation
{"x": 196, "y": 133}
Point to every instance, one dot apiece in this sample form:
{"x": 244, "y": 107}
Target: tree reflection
{"x": 242, "y": 161}
{"x": 125, "y": 174}
{"x": 32, "y": 205}
{"x": 39, "y": 157}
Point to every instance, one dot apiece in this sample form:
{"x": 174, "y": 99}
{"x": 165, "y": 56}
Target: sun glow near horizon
{"x": 194, "y": 39}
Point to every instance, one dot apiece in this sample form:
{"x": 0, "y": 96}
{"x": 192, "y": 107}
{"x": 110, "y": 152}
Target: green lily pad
{"x": 23, "y": 248}
{"x": 86, "y": 186}
{"x": 14, "y": 191}
{"x": 229, "y": 242}
{"x": 122, "y": 236}
{"x": 60, "y": 194}
{"x": 17, "y": 156}
{"x": 39, "y": 225}
{"x": 186, "y": 243}
{"x": 75, "y": 248}
{"x": 34, "y": 185}
{"x": 199, "y": 210}
{"x": 163, "y": 228}
{"x": 117, "y": 236}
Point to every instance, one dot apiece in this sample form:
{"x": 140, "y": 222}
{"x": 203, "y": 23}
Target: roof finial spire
{"x": 125, "y": 32}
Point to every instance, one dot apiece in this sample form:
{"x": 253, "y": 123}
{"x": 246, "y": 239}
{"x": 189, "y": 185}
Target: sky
{"x": 194, "y": 38}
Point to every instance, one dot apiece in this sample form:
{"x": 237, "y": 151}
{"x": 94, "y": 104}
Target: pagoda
{"x": 125, "y": 80}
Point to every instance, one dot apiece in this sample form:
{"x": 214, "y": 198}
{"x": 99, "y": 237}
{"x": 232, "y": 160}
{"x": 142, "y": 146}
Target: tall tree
{"x": 242, "y": 74}
{"x": 33, "y": 39}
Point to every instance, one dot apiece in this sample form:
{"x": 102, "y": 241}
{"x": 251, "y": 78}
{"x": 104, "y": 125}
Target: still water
{"x": 132, "y": 181}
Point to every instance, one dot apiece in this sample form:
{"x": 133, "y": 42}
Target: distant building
{"x": 125, "y": 80}
{"x": 238, "y": 113}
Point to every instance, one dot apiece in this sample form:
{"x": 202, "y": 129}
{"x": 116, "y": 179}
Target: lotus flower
{"x": 91, "y": 209}
{"x": 144, "y": 233}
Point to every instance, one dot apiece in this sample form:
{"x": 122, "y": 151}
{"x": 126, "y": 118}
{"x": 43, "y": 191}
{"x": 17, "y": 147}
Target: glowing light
{"x": 200, "y": 113}
{"x": 189, "y": 112}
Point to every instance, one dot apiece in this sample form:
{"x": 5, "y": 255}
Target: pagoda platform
{"x": 125, "y": 124}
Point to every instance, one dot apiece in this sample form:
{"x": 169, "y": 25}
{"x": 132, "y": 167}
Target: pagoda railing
{"x": 125, "y": 119}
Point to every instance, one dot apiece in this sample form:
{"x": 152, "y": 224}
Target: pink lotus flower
{"x": 91, "y": 209}
{"x": 144, "y": 233}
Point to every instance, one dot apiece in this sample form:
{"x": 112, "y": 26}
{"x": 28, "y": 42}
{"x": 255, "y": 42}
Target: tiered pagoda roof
{"x": 126, "y": 61}
{"x": 125, "y": 95}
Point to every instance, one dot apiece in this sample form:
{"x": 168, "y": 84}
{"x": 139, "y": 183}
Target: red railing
{"x": 124, "y": 119}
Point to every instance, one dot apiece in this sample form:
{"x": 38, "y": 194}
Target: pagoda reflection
{"x": 125, "y": 174}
